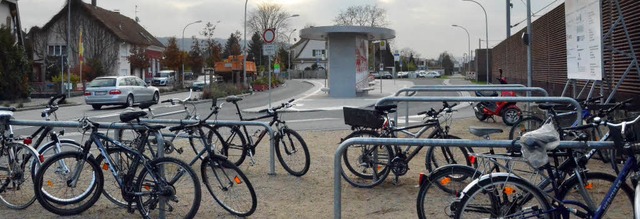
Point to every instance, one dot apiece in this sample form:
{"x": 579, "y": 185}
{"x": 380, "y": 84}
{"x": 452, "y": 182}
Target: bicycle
{"x": 369, "y": 165}
{"x": 288, "y": 143}
{"x": 71, "y": 182}
{"x": 511, "y": 196}
{"x": 17, "y": 164}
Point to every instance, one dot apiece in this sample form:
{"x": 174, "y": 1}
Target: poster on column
{"x": 362, "y": 63}
{"x": 584, "y": 39}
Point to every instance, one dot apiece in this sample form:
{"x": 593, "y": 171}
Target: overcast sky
{"x": 422, "y": 25}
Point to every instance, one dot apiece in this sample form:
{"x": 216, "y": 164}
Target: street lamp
{"x": 182, "y": 46}
{"x": 244, "y": 48}
{"x": 486, "y": 22}
{"x": 468, "y": 43}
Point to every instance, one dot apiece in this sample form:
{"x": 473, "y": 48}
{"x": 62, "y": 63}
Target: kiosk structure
{"x": 347, "y": 51}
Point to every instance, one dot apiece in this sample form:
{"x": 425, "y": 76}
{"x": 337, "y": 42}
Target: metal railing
{"x": 337, "y": 167}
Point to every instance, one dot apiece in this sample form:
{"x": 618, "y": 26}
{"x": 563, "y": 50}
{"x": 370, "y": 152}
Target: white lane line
{"x": 311, "y": 120}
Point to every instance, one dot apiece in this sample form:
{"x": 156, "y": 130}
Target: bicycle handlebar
{"x": 62, "y": 98}
{"x": 273, "y": 109}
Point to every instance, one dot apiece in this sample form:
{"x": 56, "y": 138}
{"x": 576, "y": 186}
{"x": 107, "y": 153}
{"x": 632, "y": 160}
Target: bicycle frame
{"x": 425, "y": 126}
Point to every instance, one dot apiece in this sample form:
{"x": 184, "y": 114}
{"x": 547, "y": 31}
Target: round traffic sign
{"x": 269, "y": 35}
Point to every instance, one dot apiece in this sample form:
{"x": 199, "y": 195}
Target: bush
{"x": 220, "y": 90}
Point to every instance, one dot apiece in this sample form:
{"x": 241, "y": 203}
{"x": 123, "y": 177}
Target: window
{"x": 57, "y": 50}
{"x": 319, "y": 53}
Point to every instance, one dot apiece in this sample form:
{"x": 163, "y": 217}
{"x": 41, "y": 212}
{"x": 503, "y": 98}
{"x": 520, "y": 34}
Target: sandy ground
{"x": 310, "y": 196}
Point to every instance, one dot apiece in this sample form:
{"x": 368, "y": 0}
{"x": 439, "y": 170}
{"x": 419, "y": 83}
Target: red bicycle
{"x": 509, "y": 111}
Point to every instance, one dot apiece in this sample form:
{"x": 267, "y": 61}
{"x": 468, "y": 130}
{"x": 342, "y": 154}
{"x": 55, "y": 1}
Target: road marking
{"x": 311, "y": 120}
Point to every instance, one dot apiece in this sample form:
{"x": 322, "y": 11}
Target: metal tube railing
{"x": 472, "y": 85}
{"x": 118, "y": 125}
{"x": 337, "y": 167}
{"x": 571, "y": 101}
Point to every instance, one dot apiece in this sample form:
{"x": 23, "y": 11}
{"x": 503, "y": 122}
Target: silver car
{"x": 119, "y": 90}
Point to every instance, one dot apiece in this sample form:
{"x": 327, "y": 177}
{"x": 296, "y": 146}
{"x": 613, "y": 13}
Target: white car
{"x": 432, "y": 74}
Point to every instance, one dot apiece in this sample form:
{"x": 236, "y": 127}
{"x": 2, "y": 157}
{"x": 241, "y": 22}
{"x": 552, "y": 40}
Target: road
{"x": 315, "y": 120}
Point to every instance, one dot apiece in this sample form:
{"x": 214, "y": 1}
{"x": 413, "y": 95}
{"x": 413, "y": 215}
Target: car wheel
{"x": 96, "y": 106}
{"x": 129, "y": 102}
{"x": 156, "y": 97}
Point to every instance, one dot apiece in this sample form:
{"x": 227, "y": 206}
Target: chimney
{"x": 94, "y": 2}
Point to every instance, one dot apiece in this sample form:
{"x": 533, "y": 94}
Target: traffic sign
{"x": 269, "y": 35}
{"x": 396, "y": 57}
{"x": 269, "y": 49}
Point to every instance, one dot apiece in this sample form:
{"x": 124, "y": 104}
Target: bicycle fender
{"x": 483, "y": 177}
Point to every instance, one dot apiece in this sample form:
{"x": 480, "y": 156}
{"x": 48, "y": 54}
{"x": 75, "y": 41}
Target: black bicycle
{"x": 369, "y": 165}
{"x": 71, "y": 182}
{"x": 291, "y": 149}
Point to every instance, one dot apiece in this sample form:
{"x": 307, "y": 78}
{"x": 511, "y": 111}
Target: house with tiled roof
{"x": 108, "y": 38}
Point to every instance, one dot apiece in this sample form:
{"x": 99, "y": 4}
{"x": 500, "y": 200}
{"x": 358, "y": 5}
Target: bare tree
{"x": 269, "y": 15}
{"x": 362, "y": 15}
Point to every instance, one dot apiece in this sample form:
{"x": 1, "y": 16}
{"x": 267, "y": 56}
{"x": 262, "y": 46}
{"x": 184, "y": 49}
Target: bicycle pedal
{"x": 179, "y": 150}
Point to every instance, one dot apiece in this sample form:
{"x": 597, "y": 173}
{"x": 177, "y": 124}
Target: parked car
{"x": 202, "y": 81}
{"x": 432, "y": 74}
{"x": 385, "y": 74}
{"x": 164, "y": 78}
{"x": 375, "y": 75}
{"x": 119, "y": 90}
{"x": 403, "y": 74}
{"x": 421, "y": 74}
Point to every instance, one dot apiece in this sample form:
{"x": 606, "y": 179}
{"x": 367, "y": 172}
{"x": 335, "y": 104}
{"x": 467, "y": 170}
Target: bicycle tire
{"x": 229, "y": 186}
{"x": 507, "y": 186}
{"x": 448, "y": 155}
{"x": 430, "y": 199}
{"x": 598, "y": 183}
{"x": 111, "y": 189}
{"x": 62, "y": 205}
{"x": 525, "y": 125}
{"x": 49, "y": 149}
{"x": 16, "y": 183}
{"x": 189, "y": 192}
{"x": 288, "y": 146}
{"x": 236, "y": 145}
{"x": 367, "y": 157}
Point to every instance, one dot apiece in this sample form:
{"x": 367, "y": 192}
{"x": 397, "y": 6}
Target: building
{"x": 308, "y": 52}
{"x": 108, "y": 38}
{"x": 230, "y": 69}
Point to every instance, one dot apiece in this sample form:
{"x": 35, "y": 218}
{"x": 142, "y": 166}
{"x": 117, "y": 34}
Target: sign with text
{"x": 584, "y": 39}
{"x": 269, "y": 49}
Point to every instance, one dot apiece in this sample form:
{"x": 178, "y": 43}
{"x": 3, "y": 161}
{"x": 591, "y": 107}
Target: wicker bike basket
{"x": 365, "y": 118}
{"x": 631, "y": 132}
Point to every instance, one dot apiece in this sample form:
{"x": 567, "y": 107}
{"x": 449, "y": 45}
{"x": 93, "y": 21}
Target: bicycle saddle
{"x": 385, "y": 108}
{"x": 233, "y": 99}
{"x": 483, "y": 131}
{"x": 128, "y": 116}
{"x": 146, "y": 105}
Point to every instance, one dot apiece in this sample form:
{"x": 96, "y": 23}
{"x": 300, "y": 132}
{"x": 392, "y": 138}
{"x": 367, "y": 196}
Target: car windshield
{"x": 103, "y": 82}
{"x": 163, "y": 75}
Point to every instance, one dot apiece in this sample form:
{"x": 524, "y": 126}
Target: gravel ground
{"x": 310, "y": 196}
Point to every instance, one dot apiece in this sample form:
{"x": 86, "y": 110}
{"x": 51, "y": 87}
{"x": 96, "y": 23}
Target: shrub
{"x": 20, "y": 105}
{"x": 220, "y": 90}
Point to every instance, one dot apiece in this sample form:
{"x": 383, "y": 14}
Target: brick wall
{"x": 550, "y": 52}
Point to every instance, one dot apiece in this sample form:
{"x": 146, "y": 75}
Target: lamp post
{"x": 289, "y": 64}
{"x": 182, "y": 46}
{"x": 244, "y": 48}
{"x": 486, "y": 22}
{"x": 468, "y": 44}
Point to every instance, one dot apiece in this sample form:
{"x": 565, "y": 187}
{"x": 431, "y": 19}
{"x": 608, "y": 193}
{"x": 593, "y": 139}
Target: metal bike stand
{"x": 572, "y": 101}
{"x": 337, "y": 166}
{"x": 272, "y": 166}
{"x": 471, "y": 85}
{"x": 415, "y": 89}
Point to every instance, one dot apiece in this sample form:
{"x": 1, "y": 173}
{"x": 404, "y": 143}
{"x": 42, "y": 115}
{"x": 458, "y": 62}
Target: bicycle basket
{"x": 362, "y": 118}
{"x": 632, "y": 134}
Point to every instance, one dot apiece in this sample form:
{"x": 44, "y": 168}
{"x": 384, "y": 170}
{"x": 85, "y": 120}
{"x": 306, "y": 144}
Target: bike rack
{"x": 337, "y": 166}
{"x": 119, "y": 125}
{"x": 486, "y": 99}
{"x": 415, "y": 89}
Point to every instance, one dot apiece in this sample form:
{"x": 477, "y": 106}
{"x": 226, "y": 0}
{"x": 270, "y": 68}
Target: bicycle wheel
{"x": 450, "y": 179}
{"x": 229, "y": 186}
{"x": 366, "y": 165}
{"x": 524, "y": 125}
{"x": 292, "y": 152}
{"x": 51, "y": 148}
{"x": 123, "y": 160}
{"x": 236, "y": 144}
{"x": 502, "y": 196}
{"x": 54, "y": 186}
{"x": 16, "y": 179}
{"x": 177, "y": 192}
{"x": 597, "y": 185}
{"x": 441, "y": 156}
